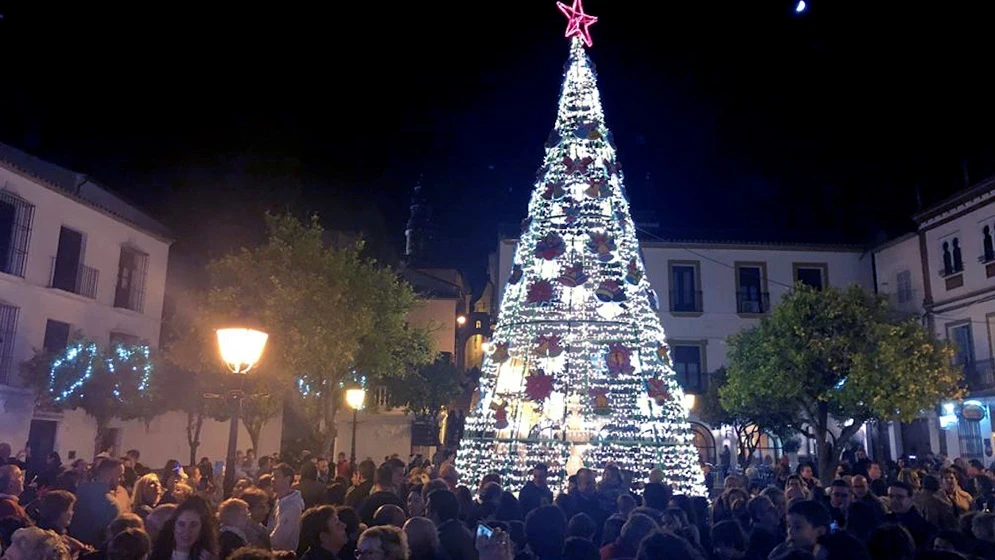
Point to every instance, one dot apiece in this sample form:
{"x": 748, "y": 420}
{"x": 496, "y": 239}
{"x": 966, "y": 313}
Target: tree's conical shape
{"x": 578, "y": 372}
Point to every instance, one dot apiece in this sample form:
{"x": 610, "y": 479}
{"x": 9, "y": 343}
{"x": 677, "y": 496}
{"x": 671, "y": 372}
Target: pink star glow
{"x": 579, "y": 21}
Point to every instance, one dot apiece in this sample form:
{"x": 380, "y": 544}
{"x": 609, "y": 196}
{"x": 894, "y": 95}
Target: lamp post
{"x": 355, "y": 399}
{"x": 240, "y": 350}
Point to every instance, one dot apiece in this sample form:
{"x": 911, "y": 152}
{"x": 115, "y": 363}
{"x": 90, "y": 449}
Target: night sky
{"x": 734, "y": 120}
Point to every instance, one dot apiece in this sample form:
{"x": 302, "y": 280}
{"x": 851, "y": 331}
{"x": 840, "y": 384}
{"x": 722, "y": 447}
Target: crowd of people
{"x": 419, "y": 509}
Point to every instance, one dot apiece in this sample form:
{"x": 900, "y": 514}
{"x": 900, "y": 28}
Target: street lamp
{"x": 355, "y": 399}
{"x": 240, "y": 350}
{"x": 688, "y": 402}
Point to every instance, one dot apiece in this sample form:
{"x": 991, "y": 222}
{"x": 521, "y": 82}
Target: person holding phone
{"x": 493, "y": 544}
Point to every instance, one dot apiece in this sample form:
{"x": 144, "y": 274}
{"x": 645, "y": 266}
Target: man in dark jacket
{"x": 384, "y": 493}
{"x": 536, "y": 492}
{"x": 454, "y": 539}
{"x": 362, "y": 483}
{"x": 905, "y": 513}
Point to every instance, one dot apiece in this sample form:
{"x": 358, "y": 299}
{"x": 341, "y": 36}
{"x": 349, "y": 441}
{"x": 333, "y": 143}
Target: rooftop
{"x": 80, "y": 187}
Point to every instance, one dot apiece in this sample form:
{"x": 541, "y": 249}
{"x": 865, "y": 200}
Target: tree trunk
{"x": 331, "y": 430}
{"x": 194, "y": 423}
{"x": 829, "y": 451}
{"x": 255, "y": 428}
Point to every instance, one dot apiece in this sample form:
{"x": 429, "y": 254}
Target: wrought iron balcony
{"x": 80, "y": 279}
{"x": 752, "y": 302}
{"x": 980, "y": 375}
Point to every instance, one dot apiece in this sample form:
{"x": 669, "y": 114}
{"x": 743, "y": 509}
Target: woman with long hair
{"x": 148, "y": 491}
{"x": 191, "y": 533}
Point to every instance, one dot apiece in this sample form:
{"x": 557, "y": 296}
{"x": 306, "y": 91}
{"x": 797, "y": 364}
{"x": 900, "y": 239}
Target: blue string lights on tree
{"x": 579, "y": 372}
{"x": 76, "y": 362}
{"x": 130, "y": 369}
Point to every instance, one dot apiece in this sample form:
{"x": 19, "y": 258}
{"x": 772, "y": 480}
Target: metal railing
{"x": 82, "y": 280}
{"x": 752, "y": 302}
{"x": 683, "y": 301}
{"x": 979, "y": 375}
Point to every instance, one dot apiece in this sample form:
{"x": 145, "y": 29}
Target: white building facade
{"x": 945, "y": 272}
{"x": 74, "y": 258}
{"x": 708, "y": 291}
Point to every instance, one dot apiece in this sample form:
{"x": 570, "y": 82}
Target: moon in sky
{"x": 800, "y": 6}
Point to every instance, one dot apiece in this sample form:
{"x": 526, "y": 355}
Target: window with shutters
{"x": 131, "y": 271}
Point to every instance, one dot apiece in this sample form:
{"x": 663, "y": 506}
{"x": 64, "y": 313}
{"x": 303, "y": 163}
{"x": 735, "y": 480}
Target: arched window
{"x": 958, "y": 261}
{"x": 705, "y": 442}
{"x": 948, "y": 263}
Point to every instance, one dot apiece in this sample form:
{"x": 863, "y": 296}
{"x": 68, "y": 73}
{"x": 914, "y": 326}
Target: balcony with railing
{"x": 754, "y": 303}
{"x": 79, "y": 279}
{"x": 979, "y": 375}
{"x": 684, "y": 301}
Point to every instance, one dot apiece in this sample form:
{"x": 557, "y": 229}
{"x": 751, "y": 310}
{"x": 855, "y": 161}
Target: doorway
{"x": 41, "y": 442}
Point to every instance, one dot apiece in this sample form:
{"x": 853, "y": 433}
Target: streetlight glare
{"x": 688, "y": 402}
{"x": 241, "y": 348}
{"x": 355, "y": 398}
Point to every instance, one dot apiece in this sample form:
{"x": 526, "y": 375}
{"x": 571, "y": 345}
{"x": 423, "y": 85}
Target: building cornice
{"x": 959, "y": 202}
{"x": 61, "y": 190}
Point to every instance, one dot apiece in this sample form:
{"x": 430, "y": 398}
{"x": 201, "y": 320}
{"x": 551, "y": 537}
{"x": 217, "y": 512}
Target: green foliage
{"x": 824, "y": 357}
{"x": 749, "y": 425}
{"x": 425, "y": 391}
{"x": 331, "y": 315}
{"x": 106, "y": 383}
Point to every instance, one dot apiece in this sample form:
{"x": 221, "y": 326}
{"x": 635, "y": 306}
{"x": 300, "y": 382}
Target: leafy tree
{"x": 332, "y": 315}
{"x": 425, "y": 391}
{"x": 106, "y": 383}
{"x": 828, "y": 357}
{"x": 748, "y": 425}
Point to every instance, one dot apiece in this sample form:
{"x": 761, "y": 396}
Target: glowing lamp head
{"x": 355, "y": 398}
{"x": 241, "y": 348}
{"x": 688, "y": 402}
{"x": 461, "y": 320}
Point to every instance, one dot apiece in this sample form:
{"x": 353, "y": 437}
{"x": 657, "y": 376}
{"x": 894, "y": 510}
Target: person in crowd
{"x": 121, "y": 523}
{"x": 234, "y": 520}
{"x": 382, "y": 543}
{"x": 285, "y": 523}
{"x": 130, "y": 544}
{"x": 455, "y": 539}
{"x": 11, "y": 487}
{"x": 96, "y": 503}
{"x": 191, "y": 533}
{"x": 323, "y": 534}
{"x": 32, "y": 543}
{"x": 312, "y": 492}
{"x": 146, "y": 495}
{"x": 384, "y": 493}
{"x": 362, "y": 483}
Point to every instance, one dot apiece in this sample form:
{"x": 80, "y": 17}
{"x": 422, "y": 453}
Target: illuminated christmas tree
{"x": 578, "y": 371}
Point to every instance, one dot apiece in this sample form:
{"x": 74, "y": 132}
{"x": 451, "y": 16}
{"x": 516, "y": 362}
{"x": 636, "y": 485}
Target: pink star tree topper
{"x": 579, "y": 22}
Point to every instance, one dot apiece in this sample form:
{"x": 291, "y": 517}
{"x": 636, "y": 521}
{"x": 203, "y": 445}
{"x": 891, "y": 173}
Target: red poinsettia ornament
{"x": 657, "y": 389}
{"x": 538, "y": 386}
{"x": 540, "y": 292}
{"x": 577, "y": 166}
